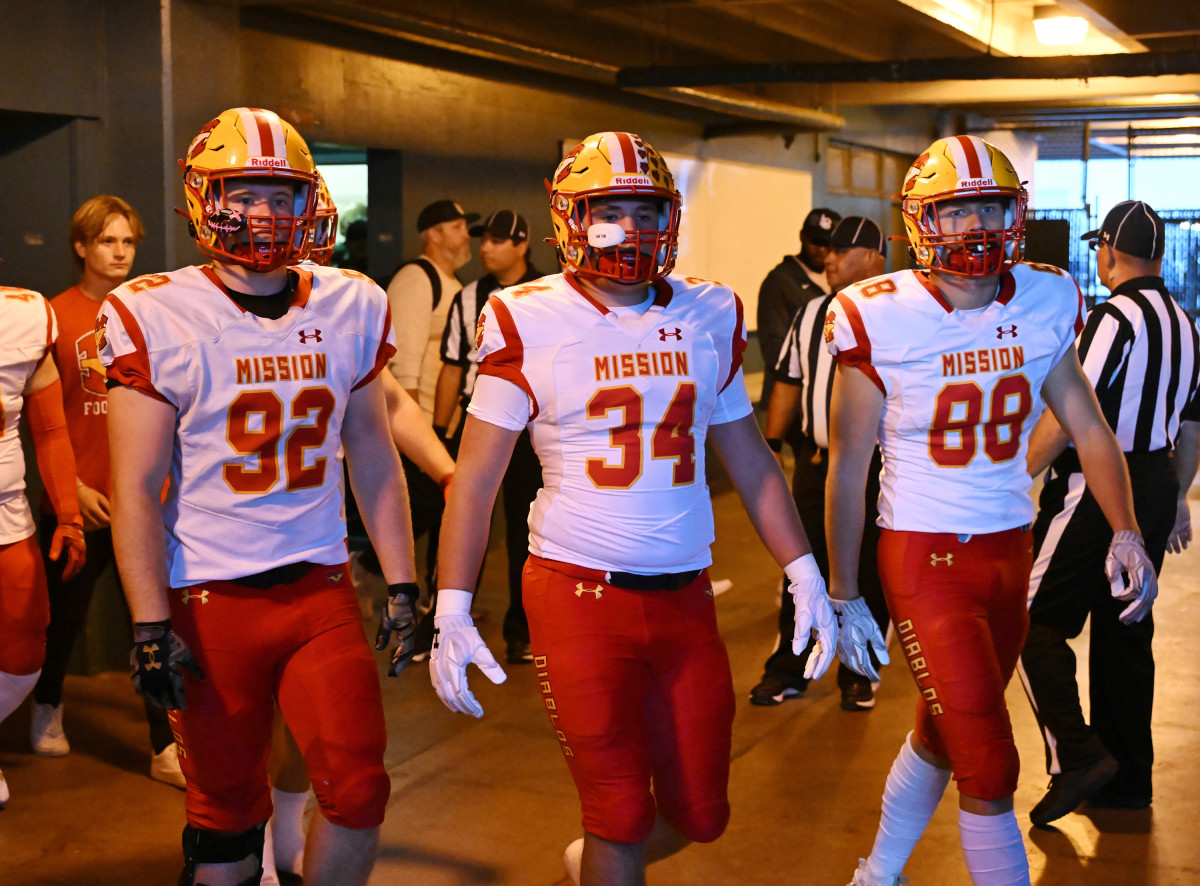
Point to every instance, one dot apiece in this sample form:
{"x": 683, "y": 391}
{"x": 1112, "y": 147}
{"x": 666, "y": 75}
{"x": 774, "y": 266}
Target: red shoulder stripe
{"x": 507, "y": 362}
{"x": 858, "y": 356}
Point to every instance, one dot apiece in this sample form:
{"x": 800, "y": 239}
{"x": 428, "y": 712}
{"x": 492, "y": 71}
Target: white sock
{"x": 13, "y": 689}
{"x": 913, "y": 790}
{"x": 994, "y": 849}
{"x": 270, "y": 877}
{"x": 287, "y": 828}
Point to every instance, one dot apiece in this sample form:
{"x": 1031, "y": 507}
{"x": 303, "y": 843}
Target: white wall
{"x": 739, "y": 220}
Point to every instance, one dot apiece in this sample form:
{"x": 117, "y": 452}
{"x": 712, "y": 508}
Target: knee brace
{"x": 221, "y": 847}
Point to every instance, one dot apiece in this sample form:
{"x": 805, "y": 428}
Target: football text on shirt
{"x": 612, "y": 366}
{"x": 983, "y": 360}
{"x": 294, "y": 367}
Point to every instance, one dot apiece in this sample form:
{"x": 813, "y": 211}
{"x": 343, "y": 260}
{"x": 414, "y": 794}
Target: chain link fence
{"x": 1181, "y": 256}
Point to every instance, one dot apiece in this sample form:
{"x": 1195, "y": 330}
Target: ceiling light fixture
{"x": 1054, "y": 27}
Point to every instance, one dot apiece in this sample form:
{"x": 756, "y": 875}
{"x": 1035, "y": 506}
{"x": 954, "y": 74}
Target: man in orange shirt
{"x": 105, "y": 233}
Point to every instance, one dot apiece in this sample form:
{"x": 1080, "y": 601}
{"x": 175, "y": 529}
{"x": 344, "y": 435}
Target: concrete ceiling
{"x": 797, "y": 65}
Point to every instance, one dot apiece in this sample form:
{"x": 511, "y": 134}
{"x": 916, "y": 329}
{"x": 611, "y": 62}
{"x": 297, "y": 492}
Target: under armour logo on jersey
{"x": 580, "y": 590}
{"x": 189, "y": 596}
{"x": 677, "y": 334}
{"x": 934, "y": 559}
{"x": 1001, "y": 331}
{"x": 305, "y": 337}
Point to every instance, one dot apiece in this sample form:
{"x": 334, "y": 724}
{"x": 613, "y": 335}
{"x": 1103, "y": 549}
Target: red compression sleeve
{"x": 56, "y": 460}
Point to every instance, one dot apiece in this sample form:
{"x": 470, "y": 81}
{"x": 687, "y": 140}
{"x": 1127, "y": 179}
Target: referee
{"x": 1139, "y": 350}
{"x": 805, "y": 382}
{"x": 504, "y": 254}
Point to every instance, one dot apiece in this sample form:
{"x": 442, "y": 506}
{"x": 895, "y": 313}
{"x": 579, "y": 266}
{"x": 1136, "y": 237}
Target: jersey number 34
{"x": 671, "y": 438}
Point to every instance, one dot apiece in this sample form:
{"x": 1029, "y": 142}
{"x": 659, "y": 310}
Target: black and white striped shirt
{"x": 458, "y": 336}
{"x": 1141, "y": 352}
{"x": 805, "y": 361}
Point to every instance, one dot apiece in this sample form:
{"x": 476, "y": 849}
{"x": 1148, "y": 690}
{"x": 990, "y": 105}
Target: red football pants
{"x": 959, "y": 610}
{"x": 303, "y": 644}
{"x": 24, "y": 607}
{"x": 638, "y": 689}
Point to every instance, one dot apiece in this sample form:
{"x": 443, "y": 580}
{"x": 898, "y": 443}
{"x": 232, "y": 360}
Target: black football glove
{"x": 399, "y": 615}
{"x": 158, "y": 658}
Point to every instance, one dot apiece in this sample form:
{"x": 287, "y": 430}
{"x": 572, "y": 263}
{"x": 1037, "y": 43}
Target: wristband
{"x": 775, "y": 444}
{"x": 150, "y": 630}
{"x": 409, "y": 589}
{"x": 802, "y": 568}
{"x": 454, "y": 602}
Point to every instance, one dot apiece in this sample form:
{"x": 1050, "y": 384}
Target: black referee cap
{"x": 1132, "y": 227}
{"x": 854, "y": 230}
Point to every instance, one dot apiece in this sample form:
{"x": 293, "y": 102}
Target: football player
{"x": 30, "y": 386}
{"x": 951, "y": 365}
{"x": 621, "y": 370}
{"x": 240, "y": 380}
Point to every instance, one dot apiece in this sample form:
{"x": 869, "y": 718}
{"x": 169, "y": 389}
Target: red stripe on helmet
{"x": 628, "y": 152}
{"x": 974, "y": 167}
{"x": 266, "y": 136}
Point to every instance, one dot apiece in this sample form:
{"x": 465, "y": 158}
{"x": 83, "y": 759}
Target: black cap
{"x": 854, "y": 230}
{"x": 818, "y": 226}
{"x": 503, "y": 224}
{"x": 442, "y": 211}
{"x": 1134, "y": 228}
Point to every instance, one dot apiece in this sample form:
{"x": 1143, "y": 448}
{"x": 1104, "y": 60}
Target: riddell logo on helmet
{"x": 266, "y": 161}
{"x": 978, "y": 183}
{"x": 626, "y": 180}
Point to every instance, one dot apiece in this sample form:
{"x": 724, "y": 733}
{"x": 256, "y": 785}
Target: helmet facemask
{"x": 598, "y": 247}
{"x": 981, "y": 252}
{"x": 325, "y": 227}
{"x": 257, "y": 239}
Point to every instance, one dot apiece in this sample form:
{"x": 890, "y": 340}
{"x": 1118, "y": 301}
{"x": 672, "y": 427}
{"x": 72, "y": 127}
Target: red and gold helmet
{"x": 614, "y": 166}
{"x": 963, "y": 166}
{"x": 325, "y": 232}
{"x": 250, "y": 145}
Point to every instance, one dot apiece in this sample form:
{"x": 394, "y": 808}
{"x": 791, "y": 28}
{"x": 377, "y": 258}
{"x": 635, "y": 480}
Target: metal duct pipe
{"x": 803, "y": 119}
{"x": 979, "y": 67}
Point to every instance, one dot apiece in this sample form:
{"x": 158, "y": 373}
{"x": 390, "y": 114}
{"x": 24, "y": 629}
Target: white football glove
{"x": 1127, "y": 554}
{"x": 813, "y": 612}
{"x": 858, "y": 635}
{"x": 1181, "y": 534}
{"x": 456, "y": 643}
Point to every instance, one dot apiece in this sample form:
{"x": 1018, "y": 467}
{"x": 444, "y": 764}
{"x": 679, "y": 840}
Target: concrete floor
{"x": 490, "y": 801}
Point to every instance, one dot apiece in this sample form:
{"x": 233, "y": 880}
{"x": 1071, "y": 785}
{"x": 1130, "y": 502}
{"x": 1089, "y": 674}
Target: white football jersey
{"x": 255, "y": 473}
{"x": 962, "y": 391}
{"x": 619, "y": 408}
{"x": 27, "y": 331}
